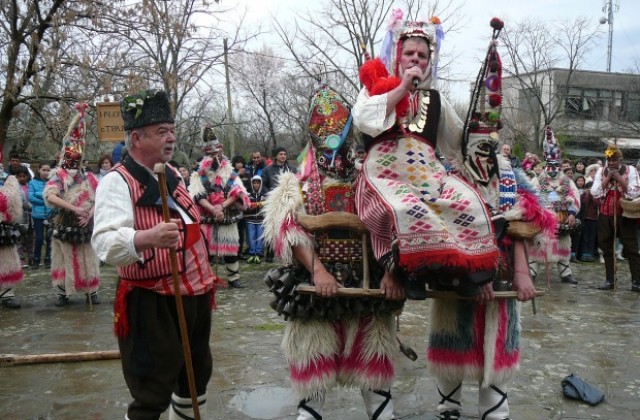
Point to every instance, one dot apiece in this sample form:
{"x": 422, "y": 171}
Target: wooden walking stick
{"x": 159, "y": 169}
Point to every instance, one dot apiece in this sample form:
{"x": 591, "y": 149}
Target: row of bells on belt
{"x": 72, "y": 234}
{"x": 9, "y": 233}
{"x": 289, "y": 303}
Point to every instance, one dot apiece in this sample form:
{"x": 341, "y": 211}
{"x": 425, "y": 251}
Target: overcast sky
{"x": 470, "y": 43}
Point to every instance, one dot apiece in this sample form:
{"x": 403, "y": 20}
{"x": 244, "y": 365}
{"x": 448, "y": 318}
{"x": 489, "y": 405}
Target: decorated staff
{"x": 131, "y": 233}
{"x": 561, "y": 196}
{"x": 330, "y": 341}
{"x": 618, "y": 187}
{"x": 74, "y": 265}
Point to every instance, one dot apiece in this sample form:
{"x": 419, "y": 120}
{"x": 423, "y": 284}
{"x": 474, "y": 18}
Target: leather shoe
{"x": 10, "y": 303}
{"x": 606, "y": 286}
{"x": 236, "y": 284}
{"x": 569, "y": 279}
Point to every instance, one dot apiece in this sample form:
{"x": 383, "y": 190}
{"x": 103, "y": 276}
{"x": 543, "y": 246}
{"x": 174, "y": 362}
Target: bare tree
{"x": 534, "y": 50}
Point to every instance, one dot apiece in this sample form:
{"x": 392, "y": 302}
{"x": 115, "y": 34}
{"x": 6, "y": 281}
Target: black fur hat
{"x": 145, "y": 108}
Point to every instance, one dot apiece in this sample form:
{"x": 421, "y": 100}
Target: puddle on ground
{"x": 265, "y": 403}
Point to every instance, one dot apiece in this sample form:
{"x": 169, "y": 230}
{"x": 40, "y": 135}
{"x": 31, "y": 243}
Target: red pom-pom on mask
{"x": 495, "y": 100}
{"x": 496, "y": 24}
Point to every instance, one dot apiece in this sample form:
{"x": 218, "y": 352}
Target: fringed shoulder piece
{"x": 281, "y": 231}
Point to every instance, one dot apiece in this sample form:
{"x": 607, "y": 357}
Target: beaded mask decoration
{"x": 483, "y": 119}
{"x": 329, "y": 129}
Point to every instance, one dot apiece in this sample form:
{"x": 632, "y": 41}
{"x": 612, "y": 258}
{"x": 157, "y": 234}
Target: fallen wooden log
{"x": 30, "y": 359}
{"x": 434, "y": 294}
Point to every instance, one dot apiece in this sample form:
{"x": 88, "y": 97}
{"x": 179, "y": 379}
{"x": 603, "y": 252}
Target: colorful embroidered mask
{"x": 552, "y": 168}
{"x": 329, "y": 129}
{"x": 480, "y": 158}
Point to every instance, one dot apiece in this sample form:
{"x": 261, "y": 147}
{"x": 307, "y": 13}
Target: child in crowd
{"x": 40, "y": 215}
{"x": 254, "y": 219}
{"x": 26, "y": 225}
{"x": 589, "y": 209}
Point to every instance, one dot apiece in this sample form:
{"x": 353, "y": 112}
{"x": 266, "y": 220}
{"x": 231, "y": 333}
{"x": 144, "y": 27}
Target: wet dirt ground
{"x": 577, "y": 329}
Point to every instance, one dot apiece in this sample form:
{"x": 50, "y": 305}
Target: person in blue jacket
{"x": 40, "y": 214}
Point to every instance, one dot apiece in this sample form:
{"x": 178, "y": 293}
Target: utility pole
{"x": 609, "y": 8}
{"x": 231, "y": 126}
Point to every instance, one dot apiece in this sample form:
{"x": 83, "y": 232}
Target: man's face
{"x": 506, "y": 150}
{"x": 14, "y": 163}
{"x": 415, "y": 52}
{"x": 156, "y": 143}
{"x": 256, "y": 185}
{"x": 614, "y": 163}
{"x": 281, "y": 157}
{"x": 256, "y": 158}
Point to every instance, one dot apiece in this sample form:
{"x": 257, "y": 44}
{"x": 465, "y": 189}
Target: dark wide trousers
{"x": 152, "y": 355}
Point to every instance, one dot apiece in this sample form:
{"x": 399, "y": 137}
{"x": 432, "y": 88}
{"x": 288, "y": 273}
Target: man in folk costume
{"x": 11, "y": 273}
{"x": 218, "y": 190}
{"x": 478, "y": 340}
{"x": 329, "y": 341}
{"x": 71, "y": 190}
{"x": 560, "y": 195}
{"x": 130, "y": 233}
{"x": 615, "y": 185}
{"x": 424, "y": 221}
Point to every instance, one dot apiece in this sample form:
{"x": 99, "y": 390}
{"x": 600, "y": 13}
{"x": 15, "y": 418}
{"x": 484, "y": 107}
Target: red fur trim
{"x": 4, "y": 206}
{"x": 12, "y": 278}
{"x": 316, "y": 369}
{"x": 533, "y": 212}
{"x": 378, "y": 366}
{"x": 371, "y": 71}
{"x": 288, "y": 224}
{"x": 415, "y": 261}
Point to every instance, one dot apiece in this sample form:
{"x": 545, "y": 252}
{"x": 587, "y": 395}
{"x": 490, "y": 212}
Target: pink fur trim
{"x": 11, "y": 278}
{"x": 4, "y": 207}
{"x": 533, "y": 212}
{"x": 316, "y": 369}
{"x": 288, "y": 224}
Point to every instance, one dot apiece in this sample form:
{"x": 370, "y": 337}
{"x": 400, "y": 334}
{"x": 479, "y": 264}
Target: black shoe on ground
{"x": 47, "y": 264}
{"x": 635, "y": 287}
{"x": 10, "y": 303}
{"x": 269, "y": 259}
{"x": 35, "y": 266}
{"x": 95, "y": 300}
{"x": 606, "y": 286}
{"x": 241, "y": 256}
{"x": 236, "y": 284}
{"x": 569, "y": 279}
{"x": 62, "y": 301}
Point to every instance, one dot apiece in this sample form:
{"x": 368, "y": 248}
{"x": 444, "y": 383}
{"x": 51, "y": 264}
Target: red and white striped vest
{"x": 154, "y": 272}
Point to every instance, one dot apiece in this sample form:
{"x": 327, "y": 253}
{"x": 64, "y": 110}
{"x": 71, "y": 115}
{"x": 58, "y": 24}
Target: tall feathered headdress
{"x": 74, "y": 141}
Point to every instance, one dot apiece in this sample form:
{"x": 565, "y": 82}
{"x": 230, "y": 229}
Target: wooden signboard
{"x": 110, "y": 123}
